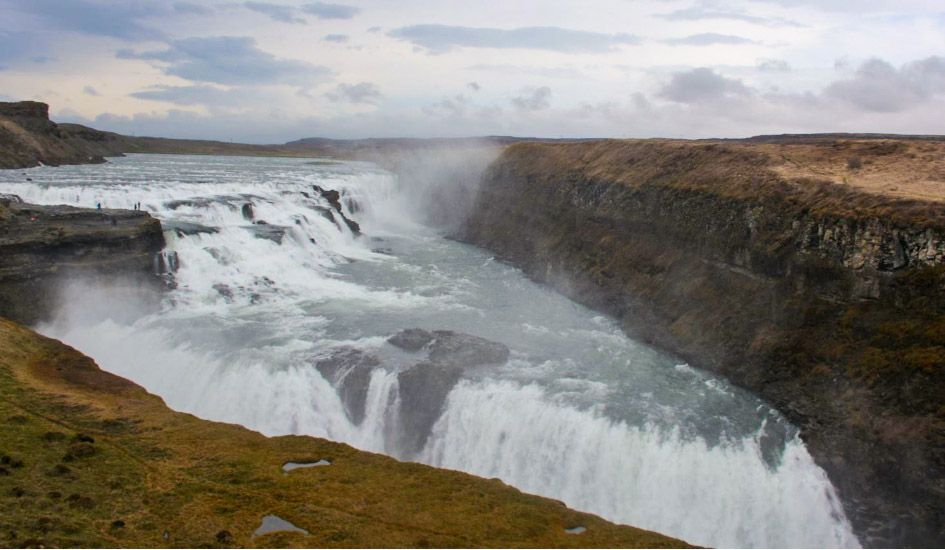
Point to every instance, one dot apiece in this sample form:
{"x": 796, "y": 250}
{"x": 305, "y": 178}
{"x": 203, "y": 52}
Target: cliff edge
{"x": 812, "y": 274}
{"x": 43, "y": 247}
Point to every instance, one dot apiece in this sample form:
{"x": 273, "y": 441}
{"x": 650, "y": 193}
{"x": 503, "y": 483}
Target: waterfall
{"x": 269, "y": 278}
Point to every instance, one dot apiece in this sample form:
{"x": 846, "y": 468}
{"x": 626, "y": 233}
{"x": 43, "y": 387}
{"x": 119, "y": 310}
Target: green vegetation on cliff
{"x": 88, "y": 459}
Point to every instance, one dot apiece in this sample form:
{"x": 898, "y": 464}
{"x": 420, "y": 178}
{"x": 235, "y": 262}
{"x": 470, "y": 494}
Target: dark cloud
{"x": 708, "y": 39}
{"x": 277, "y": 12}
{"x": 773, "y": 65}
{"x": 442, "y": 38}
{"x": 324, "y": 10}
{"x": 115, "y": 19}
{"x": 474, "y": 86}
{"x": 229, "y": 60}
{"x": 363, "y": 92}
{"x": 699, "y": 13}
{"x": 701, "y": 85}
{"x": 336, "y": 38}
{"x": 89, "y": 90}
{"x": 879, "y": 87}
{"x": 533, "y": 99}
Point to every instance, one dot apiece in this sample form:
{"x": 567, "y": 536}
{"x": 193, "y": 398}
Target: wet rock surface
{"x": 349, "y": 370}
{"x": 452, "y": 348}
{"x": 424, "y": 387}
{"x": 411, "y": 339}
{"x": 334, "y": 199}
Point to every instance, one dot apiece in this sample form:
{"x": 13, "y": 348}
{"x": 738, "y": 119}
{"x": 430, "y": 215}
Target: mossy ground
{"x": 92, "y": 460}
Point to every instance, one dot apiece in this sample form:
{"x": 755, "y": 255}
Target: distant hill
{"x": 28, "y": 138}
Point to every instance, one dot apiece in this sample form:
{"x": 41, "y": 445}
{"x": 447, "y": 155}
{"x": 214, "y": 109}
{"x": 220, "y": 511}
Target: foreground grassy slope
{"x": 88, "y": 459}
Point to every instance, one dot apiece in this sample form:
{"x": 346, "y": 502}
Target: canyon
{"x": 808, "y": 270}
{"x": 824, "y": 298}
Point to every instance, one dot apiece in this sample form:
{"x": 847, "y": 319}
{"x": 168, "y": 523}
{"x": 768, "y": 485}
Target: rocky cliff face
{"x": 43, "y": 246}
{"x": 828, "y": 302}
{"x": 28, "y": 138}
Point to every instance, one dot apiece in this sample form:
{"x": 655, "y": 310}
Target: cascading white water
{"x": 580, "y": 413}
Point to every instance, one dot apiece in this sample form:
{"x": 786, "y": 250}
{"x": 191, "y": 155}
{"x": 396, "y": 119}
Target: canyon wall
{"x": 826, "y": 300}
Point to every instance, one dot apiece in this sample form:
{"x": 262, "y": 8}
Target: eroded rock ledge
{"x": 43, "y": 246}
{"x": 825, "y": 300}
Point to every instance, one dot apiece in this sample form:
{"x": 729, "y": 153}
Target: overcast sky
{"x": 272, "y": 71}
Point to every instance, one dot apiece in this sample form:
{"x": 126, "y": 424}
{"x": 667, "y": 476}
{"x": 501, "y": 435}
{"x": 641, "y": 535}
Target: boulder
{"x": 411, "y": 339}
{"x": 466, "y": 350}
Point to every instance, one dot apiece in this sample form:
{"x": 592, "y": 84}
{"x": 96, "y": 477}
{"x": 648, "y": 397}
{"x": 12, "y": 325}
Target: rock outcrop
{"x": 827, "y": 301}
{"x": 28, "y": 138}
{"x": 42, "y": 246}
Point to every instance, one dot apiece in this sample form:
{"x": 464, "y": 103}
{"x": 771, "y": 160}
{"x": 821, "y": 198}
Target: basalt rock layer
{"x": 42, "y": 247}
{"x": 825, "y": 299}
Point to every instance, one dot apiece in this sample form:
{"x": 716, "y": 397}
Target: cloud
{"x": 474, "y": 86}
{"x": 229, "y": 60}
{"x": 566, "y": 73}
{"x": 191, "y": 95}
{"x": 699, "y": 13}
{"x": 336, "y": 38}
{"x": 363, "y": 92}
{"x": 114, "y": 19}
{"x": 89, "y": 90}
{"x": 773, "y": 65}
{"x": 708, "y": 39}
{"x": 442, "y": 38}
{"x": 877, "y": 86}
{"x": 703, "y": 84}
{"x": 191, "y": 8}
{"x": 533, "y": 99}
{"x": 277, "y": 12}
{"x": 449, "y": 107}
{"x": 324, "y": 10}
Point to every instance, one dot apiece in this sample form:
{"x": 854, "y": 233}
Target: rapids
{"x": 580, "y": 412}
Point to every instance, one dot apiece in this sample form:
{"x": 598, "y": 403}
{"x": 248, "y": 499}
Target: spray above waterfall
{"x": 287, "y": 318}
